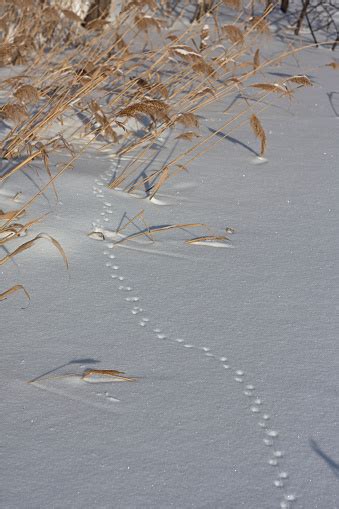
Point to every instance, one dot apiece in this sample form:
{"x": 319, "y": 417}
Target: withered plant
{"x": 146, "y": 63}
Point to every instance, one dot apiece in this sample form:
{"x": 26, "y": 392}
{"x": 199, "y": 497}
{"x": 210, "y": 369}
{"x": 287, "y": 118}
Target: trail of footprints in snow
{"x": 270, "y": 437}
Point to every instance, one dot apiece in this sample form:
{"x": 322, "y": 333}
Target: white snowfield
{"x": 234, "y": 350}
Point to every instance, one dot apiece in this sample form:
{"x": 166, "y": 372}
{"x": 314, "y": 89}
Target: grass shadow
{"x": 235, "y": 141}
{"x": 333, "y": 465}
{"x": 57, "y": 368}
{"x": 331, "y": 98}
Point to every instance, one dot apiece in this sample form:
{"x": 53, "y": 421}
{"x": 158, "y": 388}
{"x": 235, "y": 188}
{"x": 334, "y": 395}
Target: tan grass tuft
{"x": 149, "y": 107}
{"x": 333, "y": 65}
{"x": 187, "y": 119}
{"x": 233, "y": 4}
{"x": 153, "y": 89}
{"x": 259, "y": 24}
{"x": 256, "y": 59}
{"x": 233, "y": 34}
{"x": 186, "y": 53}
{"x": 203, "y": 67}
{"x": 6, "y": 51}
{"x": 259, "y": 133}
{"x": 300, "y": 80}
{"x": 111, "y": 375}
{"x": 271, "y": 87}
{"x": 51, "y": 14}
{"x": 13, "y": 111}
{"x": 151, "y": 4}
{"x": 160, "y": 89}
{"x": 27, "y": 94}
{"x": 188, "y": 135}
{"x": 146, "y": 23}
{"x": 123, "y": 67}
{"x": 70, "y": 15}
{"x": 96, "y": 24}
{"x": 164, "y": 176}
{"x": 202, "y": 93}
{"x": 101, "y": 118}
{"x": 172, "y": 37}
{"x": 11, "y": 214}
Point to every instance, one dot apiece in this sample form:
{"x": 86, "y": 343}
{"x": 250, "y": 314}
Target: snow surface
{"x": 237, "y": 401}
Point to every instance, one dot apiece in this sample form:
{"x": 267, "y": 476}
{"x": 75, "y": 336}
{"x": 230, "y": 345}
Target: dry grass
{"x": 333, "y": 65}
{"x": 259, "y": 132}
{"x": 30, "y": 243}
{"x": 13, "y": 289}
{"x": 111, "y": 375}
{"x": 207, "y": 239}
{"x": 144, "y": 65}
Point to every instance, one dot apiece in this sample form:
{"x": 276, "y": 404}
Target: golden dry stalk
{"x": 14, "y": 111}
{"x": 106, "y": 375}
{"x": 4, "y": 295}
{"x": 206, "y": 239}
{"x": 256, "y": 59}
{"x": 302, "y": 80}
{"x": 275, "y": 88}
{"x": 149, "y": 107}
{"x": 188, "y": 135}
{"x": 146, "y": 23}
{"x": 27, "y": 94}
{"x": 69, "y": 14}
{"x": 259, "y": 133}
{"x": 30, "y": 243}
{"x": 233, "y": 4}
{"x": 234, "y": 34}
{"x": 259, "y": 24}
{"x": 202, "y": 93}
{"x": 333, "y": 65}
{"x": 187, "y": 119}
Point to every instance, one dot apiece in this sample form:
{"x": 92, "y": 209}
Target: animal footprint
{"x": 255, "y": 405}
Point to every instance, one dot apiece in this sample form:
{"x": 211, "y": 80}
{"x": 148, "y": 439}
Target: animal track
{"x": 269, "y": 436}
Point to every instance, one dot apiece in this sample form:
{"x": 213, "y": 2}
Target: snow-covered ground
{"x": 237, "y": 401}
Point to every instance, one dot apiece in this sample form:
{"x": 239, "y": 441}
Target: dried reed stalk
{"x": 259, "y": 133}
{"x": 13, "y": 289}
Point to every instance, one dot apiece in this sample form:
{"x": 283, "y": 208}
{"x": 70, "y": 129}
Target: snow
{"x": 235, "y": 349}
